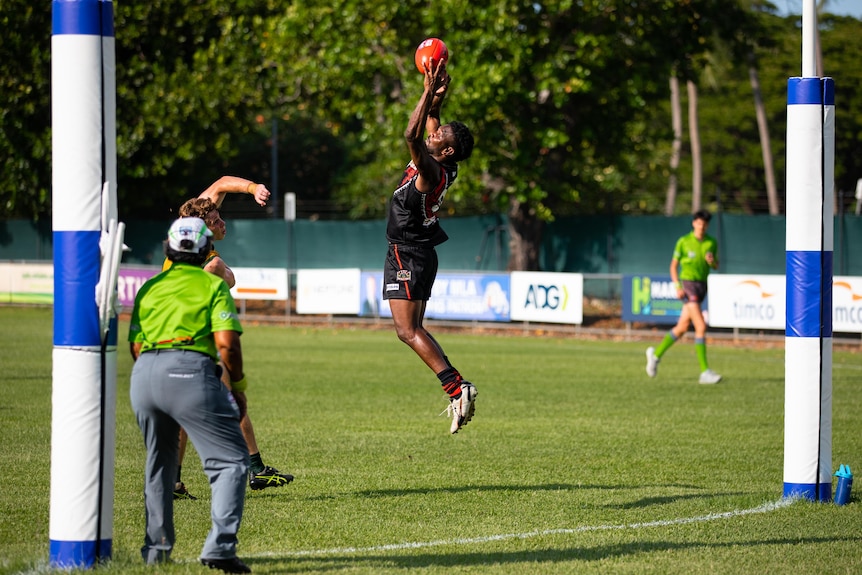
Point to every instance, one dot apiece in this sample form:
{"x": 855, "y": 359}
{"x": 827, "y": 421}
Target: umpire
{"x": 183, "y": 320}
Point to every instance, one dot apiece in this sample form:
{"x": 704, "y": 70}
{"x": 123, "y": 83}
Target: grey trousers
{"x": 174, "y": 388}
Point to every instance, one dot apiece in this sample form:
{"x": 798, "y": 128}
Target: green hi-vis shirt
{"x": 691, "y": 255}
{"x": 180, "y": 309}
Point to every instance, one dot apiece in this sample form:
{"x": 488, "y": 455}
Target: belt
{"x": 175, "y": 350}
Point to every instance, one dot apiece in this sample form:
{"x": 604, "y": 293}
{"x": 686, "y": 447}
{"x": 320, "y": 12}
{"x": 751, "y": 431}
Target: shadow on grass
{"x": 650, "y": 501}
{"x": 504, "y": 488}
{"x": 531, "y": 557}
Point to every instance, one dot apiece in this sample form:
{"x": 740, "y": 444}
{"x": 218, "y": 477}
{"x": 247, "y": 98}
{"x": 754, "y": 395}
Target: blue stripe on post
{"x": 78, "y": 554}
{"x": 83, "y": 17}
{"x": 809, "y": 294}
{"x": 804, "y": 91}
{"x": 828, "y": 92}
{"x": 76, "y": 273}
{"x": 812, "y": 492}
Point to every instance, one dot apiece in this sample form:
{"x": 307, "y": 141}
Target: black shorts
{"x": 409, "y": 272}
{"x": 695, "y": 292}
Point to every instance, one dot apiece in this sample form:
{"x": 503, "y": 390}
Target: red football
{"x": 431, "y": 50}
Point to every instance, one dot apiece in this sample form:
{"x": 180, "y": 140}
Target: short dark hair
{"x": 197, "y": 259}
{"x": 701, "y": 215}
{"x": 463, "y": 141}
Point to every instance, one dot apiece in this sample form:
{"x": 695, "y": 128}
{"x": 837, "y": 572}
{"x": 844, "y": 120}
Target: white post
{"x": 83, "y": 106}
{"x": 809, "y": 265}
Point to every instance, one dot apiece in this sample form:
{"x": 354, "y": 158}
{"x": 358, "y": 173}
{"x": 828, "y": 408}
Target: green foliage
{"x": 25, "y": 134}
{"x": 574, "y": 463}
{"x": 733, "y": 165}
{"x": 567, "y": 100}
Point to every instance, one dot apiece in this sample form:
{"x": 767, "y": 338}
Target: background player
{"x": 694, "y": 255}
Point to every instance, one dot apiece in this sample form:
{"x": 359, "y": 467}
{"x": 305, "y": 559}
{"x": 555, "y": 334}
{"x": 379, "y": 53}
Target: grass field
{"x": 576, "y": 462}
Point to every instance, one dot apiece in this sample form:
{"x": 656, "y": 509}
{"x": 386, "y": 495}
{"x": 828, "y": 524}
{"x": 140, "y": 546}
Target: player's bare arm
{"x": 674, "y": 276}
{"x": 711, "y": 260}
{"x": 218, "y": 267}
{"x": 429, "y": 172}
{"x": 432, "y": 124}
{"x": 235, "y": 185}
{"x": 230, "y": 351}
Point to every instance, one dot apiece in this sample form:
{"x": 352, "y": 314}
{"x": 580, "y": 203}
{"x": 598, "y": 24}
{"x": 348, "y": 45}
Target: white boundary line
{"x": 765, "y": 508}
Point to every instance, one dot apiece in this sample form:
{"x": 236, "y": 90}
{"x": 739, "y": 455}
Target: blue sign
{"x": 456, "y": 296}
{"x": 651, "y": 299}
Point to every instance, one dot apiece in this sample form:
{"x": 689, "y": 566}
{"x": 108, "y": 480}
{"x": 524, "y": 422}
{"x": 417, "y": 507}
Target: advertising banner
{"x": 130, "y": 281}
{"x": 847, "y": 304}
{"x": 328, "y": 291}
{"x": 747, "y": 301}
{"x": 456, "y": 296}
{"x": 260, "y": 284}
{"x": 652, "y": 299}
{"x": 547, "y": 297}
{"x": 27, "y": 283}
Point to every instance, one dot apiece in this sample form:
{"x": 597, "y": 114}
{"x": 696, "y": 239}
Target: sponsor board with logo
{"x": 455, "y": 296}
{"x": 27, "y": 283}
{"x": 847, "y": 304}
{"x": 547, "y": 297}
{"x": 328, "y": 291}
{"x": 260, "y": 284}
{"x": 747, "y": 301}
{"x": 130, "y": 280}
{"x": 652, "y": 299}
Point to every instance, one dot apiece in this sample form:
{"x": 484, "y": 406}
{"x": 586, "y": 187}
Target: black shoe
{"x": 268, "y": 477}
{"x": 180, "y": 492}
{"x": 232, "y": 565}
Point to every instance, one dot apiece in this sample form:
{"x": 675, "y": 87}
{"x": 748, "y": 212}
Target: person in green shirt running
{"x": 183, "y": 323}
{"x": 695, "y": 254}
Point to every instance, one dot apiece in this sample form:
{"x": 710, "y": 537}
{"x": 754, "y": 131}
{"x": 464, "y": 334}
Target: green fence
{"x": 593, "y": 245}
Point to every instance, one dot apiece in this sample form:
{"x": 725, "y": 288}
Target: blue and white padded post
{"x": 809, "y": 246}
{"x": 83, "y": 106}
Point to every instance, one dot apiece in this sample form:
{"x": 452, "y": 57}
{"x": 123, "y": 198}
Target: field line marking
{"x": 764, "y": 508}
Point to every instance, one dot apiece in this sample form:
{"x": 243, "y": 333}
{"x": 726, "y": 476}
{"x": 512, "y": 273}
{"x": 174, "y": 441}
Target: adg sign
{"x": 651, "y": 299}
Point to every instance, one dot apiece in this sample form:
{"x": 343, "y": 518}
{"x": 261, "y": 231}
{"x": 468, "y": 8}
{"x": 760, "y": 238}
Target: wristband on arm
{"x": 240, "y": 385}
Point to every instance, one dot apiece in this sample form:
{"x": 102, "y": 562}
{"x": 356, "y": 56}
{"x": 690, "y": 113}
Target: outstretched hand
{"x": 436, "y": 78}
{"x": 261, "y": 194}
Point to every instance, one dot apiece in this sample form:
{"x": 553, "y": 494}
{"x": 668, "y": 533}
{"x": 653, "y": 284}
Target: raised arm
{"x": 436, "y": 81}
{"x": 235, "y": 185}
{"x": 432, "y": 124}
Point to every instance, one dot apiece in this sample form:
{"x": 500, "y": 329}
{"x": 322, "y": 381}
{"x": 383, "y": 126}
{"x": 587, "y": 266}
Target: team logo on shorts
{"x": 402, "y": 275}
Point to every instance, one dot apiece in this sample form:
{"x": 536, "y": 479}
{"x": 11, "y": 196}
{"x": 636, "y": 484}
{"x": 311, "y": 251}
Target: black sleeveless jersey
{"x": 412, "y": 216}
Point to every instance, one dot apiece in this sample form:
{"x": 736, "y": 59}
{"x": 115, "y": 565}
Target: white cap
{"x": 188, "y": 235}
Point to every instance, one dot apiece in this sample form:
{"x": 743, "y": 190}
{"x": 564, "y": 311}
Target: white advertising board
{"x": 328, "y": 291}
{"x": 747, "y": 301}
{"x": 547, "y": 297}
{"x": 27, "y": 283}
{"x": 847, "y": 304}
{"x": 260, "y": 283}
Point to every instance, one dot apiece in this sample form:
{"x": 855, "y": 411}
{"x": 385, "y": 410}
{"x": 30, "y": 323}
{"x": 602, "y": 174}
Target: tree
{"x": 676, "y": 146}
{"x": 25, "y": 131}
{"x": 568, "y": 102}
{"x": 557, "y": 93}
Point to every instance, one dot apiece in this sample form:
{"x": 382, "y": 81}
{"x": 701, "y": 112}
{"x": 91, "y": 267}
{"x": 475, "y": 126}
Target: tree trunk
{"x": 525, "y": 237}
{"x": 765, "y": 146}
{"x": 696, "y": 159}
{"x": 676, "y": 148}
